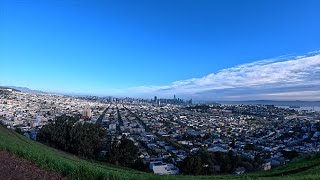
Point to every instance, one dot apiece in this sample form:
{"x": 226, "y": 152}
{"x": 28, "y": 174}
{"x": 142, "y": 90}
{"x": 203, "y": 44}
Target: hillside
{"x": 23, "y": 169}
{"x": 76, "y": 168}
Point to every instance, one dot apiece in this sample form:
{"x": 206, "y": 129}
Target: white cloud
{"x": 278, "y": 72}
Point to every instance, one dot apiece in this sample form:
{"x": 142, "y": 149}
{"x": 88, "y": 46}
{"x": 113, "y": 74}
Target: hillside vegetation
{"x": 74, "y": 167}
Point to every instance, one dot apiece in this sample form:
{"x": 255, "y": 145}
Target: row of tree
{"x": 66, "y": 133}
{"x": 209, "y": 163}
{"x": 88, "y": 140}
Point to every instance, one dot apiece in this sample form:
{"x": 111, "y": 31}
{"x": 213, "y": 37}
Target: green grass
{"x": 74, "y": 167}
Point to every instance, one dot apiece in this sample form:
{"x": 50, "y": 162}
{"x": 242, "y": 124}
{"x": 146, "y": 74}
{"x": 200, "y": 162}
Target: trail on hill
{"x": 16, "y": 168}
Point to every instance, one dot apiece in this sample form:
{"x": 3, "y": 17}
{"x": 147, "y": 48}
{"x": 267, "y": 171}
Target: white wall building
{"x": 163, "y": 168}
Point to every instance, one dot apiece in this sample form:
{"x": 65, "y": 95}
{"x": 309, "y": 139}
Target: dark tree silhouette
{"x": 66, "y": 133}
{"x": 191, "y": 165}
{"x": 123, "y": 152}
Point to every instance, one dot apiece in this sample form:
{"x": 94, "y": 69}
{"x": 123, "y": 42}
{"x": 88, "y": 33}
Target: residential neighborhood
{"x": 168, "y": 131}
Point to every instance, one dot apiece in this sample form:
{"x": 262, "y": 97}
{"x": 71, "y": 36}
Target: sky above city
{"x": 205, "y": 50}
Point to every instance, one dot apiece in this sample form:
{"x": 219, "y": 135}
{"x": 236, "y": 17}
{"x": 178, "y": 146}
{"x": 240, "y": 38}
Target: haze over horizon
{"x": 223, "y": 50}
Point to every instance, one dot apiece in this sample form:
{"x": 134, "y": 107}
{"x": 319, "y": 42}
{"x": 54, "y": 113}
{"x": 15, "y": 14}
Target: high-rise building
{"x": 174, "y": 97}
{"x": 87, "y": 111}
{"x": 155, "y": 99}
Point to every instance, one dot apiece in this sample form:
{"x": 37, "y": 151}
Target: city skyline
{"x": 204, "y": 51}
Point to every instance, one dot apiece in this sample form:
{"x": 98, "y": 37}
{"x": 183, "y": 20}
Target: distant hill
{"x": 5, "y": 88}
{"x": 24, "y": 89}
{"x": 76, "y": 168}
{"x": 28, "y": 90}
{"x": 276, "y": 103}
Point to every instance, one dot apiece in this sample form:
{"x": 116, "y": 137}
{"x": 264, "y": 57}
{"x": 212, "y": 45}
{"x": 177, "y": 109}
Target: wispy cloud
{"x": 284, "y": 73}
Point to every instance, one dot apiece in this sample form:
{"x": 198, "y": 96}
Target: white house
{"x": 163, "y": 168}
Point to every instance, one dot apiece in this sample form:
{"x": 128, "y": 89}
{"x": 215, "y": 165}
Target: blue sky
{"x": 142, "y": 48}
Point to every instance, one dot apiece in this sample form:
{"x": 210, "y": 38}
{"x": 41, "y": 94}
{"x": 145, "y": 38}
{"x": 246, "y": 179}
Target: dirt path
{"x": 16, "y": 168}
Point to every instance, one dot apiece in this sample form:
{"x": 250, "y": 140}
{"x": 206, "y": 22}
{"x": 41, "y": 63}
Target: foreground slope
{"x": 23, "y": 169}
{"x": 76, "y": 168}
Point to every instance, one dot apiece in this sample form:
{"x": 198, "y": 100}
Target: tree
{"x": 123, "y": 152}
{"x": 191, "y": 165}
{"x": 87, "y": 139}
{"x": 57, "y": 133}
{"x": 233, "y": 144}
{"x": 66, "y": 133}
{"x": 18, "y": 130}
{"x": 250, "y": 147}
{"x": 290, "y": 154}
{"x": 209, "y": 163}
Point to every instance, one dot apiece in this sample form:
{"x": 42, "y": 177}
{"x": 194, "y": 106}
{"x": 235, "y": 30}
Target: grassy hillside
{"x": 77, "y": 168}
